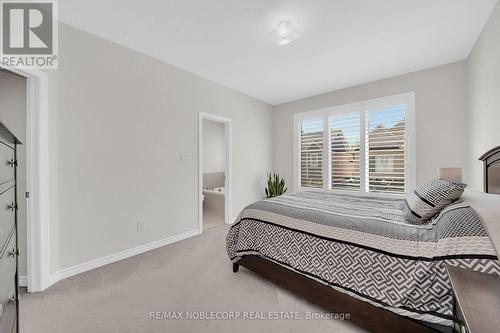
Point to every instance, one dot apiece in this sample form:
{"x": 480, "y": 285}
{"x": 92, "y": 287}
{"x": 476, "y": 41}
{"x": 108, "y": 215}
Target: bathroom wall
{"x": 213, "y": 179}
{"x": 214, "y": 149}
{"x": 214, "y": 165}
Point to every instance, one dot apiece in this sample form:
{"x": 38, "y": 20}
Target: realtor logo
{"x": 29, "y": 34}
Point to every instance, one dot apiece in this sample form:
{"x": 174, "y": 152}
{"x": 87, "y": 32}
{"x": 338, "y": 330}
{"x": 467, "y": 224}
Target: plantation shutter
{"x": 311, "y": 153}
{"x": 344, "y": 143}
{"x": 385, "y": 141}
{"x": 365, "y": 147}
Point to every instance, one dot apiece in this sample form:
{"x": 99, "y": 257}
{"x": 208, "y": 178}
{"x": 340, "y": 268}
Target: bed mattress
{"x": 363, "y": 246}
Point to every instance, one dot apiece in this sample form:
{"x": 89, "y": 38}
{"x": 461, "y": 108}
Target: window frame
{"x": 406, "y": 99}
{"x": 382, "y": 160}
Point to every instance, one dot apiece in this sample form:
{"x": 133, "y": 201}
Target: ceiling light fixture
{"x": 286, "y": 33}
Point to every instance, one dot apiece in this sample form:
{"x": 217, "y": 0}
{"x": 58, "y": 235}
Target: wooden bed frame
{"x": 362, "y": 314}
{"x": 491, "y": 160}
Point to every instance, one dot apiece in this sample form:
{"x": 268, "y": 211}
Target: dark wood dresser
{"x": 9, "y": 307}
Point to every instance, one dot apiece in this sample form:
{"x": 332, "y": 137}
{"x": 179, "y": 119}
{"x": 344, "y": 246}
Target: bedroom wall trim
{"x": 37, "y": 177}
{"x": 109, "y": 259}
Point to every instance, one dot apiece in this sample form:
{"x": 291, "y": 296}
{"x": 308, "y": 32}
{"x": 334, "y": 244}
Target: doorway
{"x": 214, "y": 166}
{"x": 13, "y": 97}
{"x": 36, "y": 153}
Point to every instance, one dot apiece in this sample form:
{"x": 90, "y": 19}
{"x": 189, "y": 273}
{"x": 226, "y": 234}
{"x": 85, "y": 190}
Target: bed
{"x": 359, "y": 254}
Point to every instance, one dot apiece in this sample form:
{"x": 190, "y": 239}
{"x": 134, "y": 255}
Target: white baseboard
{"x": 23, "y": 281}
{"x": 89, "y": 265}
{"x": 53, "y": 278}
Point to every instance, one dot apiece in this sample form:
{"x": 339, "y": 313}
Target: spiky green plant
{"x": 275, "y": 185}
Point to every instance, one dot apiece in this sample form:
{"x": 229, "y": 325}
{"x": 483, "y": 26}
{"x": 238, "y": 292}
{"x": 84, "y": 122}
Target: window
{"x": 311, "y": 153}
{"x": 364, "y": 147}
{"x": 386, "y": 143}
{"x": 344, "y": 130}
{"x": 383, "y": 164}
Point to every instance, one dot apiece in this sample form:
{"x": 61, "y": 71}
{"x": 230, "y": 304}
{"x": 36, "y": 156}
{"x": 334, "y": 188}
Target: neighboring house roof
{"x": 339, "y": 142}
{"x": 314, "y": 145}
{"x": 387, "y": 138}
{"x": 314, "y": 140}
{"x": 380, "y": 138}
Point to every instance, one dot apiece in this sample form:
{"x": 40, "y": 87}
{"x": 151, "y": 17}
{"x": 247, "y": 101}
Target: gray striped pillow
{"x": 430, "y": 198}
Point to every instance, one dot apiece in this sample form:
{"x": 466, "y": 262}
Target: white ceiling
{"x": 344, "y": 42}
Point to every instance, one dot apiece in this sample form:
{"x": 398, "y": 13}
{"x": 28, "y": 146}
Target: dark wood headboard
{"x": 491, "y": 160}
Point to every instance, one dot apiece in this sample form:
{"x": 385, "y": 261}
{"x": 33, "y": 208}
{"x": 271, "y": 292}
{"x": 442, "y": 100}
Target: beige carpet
{"x": 212, "y": 219}
{"x": 191, "y": 275}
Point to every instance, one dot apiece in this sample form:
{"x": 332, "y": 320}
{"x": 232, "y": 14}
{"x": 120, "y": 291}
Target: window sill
{"x": 357, "y": 193}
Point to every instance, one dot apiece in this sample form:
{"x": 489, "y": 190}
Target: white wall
{"x": 440, "y": 103}
{"x": 214, "y": 146}
{"x": 120, "y": 119}
{"x": 484, "y": 96}
{"x": 13, "y": 115}
{"x": 123, "y": 119}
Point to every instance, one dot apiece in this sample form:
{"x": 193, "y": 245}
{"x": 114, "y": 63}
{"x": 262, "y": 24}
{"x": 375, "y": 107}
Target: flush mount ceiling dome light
{"x": 286, "y": 33}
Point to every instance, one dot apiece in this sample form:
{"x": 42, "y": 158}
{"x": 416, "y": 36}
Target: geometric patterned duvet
{"x": 363, "y": 246}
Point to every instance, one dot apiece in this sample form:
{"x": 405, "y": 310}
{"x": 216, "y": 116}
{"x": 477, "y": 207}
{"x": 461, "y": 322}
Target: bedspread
{"x": 362, "y": 246}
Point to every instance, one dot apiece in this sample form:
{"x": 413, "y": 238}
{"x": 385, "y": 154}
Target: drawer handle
{"x": 13, "y": 299}
{"x": 14, "y": 252}
{"x": 12, "y": 206}
{"x": 12, "y": 162}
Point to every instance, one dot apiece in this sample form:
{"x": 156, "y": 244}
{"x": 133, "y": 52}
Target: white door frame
{"x": 228, "y": 128}
{"x": 37, "y": 177}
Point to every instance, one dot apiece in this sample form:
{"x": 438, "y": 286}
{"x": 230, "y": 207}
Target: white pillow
{"x": 488, "y": 206}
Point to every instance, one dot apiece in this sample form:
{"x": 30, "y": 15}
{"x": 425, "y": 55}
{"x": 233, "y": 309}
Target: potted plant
{"x": 275, "y": 185}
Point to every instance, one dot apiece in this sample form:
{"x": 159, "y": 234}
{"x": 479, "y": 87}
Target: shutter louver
{"x": 344, "y": 139}
{"x": 385, "y": 141}
{"x": 311, "y": 153}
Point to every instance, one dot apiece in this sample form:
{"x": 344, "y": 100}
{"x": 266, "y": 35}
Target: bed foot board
{"x": 236, "y": 267}
{"x": 362, "y": 314}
